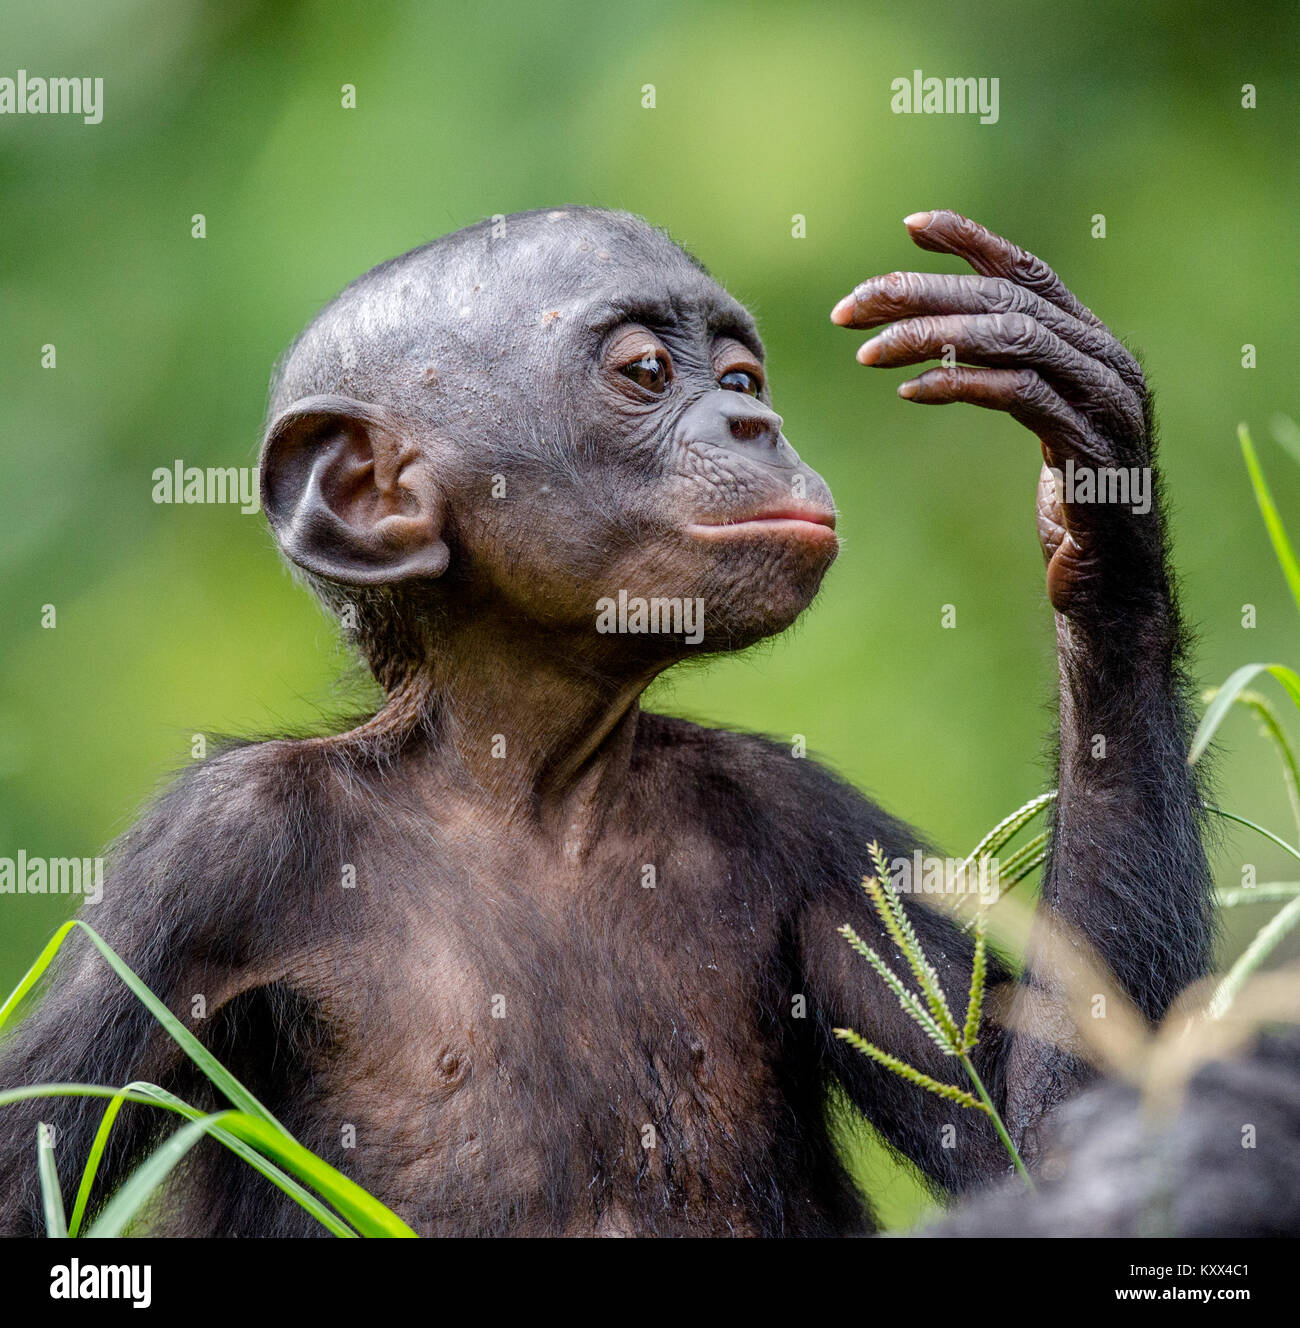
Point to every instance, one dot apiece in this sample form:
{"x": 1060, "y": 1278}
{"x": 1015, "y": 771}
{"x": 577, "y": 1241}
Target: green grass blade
{"x": 1289, "y": 679}
{"x": 177, "y": 1031}
{"x": 375, "y": 1215}
{"x": 151, "y": 1095}
{"x": 1272, "y": 519}
{"x": 282, "y": 1181}
{"x": 1267, "y": 892}
{"x": 140, "y": 1186}
{"x": 1259, "y": 829}
{"x": 1267, "y": 939}
{"x": 367, "y": 1214}
{"x": 189, "y": 1044}
{"x": 1272, "y": 729}
{"x": 91, "y": 1169}
{"x": 31, "y": 1091}
{"x": 33, "y": 974}
{"x": 279, "y": 1178}
{"x": 1228, "y": 693}
{"x": 363, "y": 1210}
{"x": 56, "y": 1223}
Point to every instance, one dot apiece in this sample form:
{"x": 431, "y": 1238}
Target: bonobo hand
{"x": 1050, "y": 363}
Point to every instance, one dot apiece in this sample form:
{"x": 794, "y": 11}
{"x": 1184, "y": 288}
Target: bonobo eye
{"x": 740, "y": 380}
{"x": 651, "y": 371}
{"x": 737, "y": 367}
{"x": 636, "y": 354}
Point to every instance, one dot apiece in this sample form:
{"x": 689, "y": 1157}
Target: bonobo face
{"x": 642, "y": 454}
{"x": 548, "y": 420}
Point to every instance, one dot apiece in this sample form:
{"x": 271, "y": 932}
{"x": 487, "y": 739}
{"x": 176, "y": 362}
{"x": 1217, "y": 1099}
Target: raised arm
{"x": 1126, "y": 867}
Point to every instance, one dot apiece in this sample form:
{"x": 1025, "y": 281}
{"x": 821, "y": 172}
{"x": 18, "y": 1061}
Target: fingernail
{"x": 918, "y": 221}
{"x": 908, "y": 390}
{"x": 843, "y": 312}
{"x": 870, "y": 352}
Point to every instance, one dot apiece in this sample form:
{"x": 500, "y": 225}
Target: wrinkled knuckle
{"x": 917, "y": 333}
{"x": 1005, "y": 297}
{"x": 892, "y": 291}
{"x": 1031, "y": 271}
{"x": 1029, "y": 387}
{"x": 1020, "y": 333}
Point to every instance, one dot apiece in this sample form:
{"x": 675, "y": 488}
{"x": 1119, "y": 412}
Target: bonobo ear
{"x": 350, "y": 496}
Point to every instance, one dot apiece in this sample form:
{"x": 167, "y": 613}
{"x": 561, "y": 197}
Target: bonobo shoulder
{"x": 782, "y": 773}
{"x": 226, "y": 842}
{"x": 760, "y": 787}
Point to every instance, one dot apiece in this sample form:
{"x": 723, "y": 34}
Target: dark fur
{"x": 626, "y": 1007}
{"x": 1115, "y": 1168}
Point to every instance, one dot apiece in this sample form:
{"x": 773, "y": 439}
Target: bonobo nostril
{"x": 753, "y": 429}
{"x": 737, "y": 423}
{"x": 748, "y": 421}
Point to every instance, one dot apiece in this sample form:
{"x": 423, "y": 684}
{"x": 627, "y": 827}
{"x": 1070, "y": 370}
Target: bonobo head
{"x": 514, "y": 424}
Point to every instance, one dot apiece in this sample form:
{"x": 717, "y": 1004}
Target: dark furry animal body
{"x": 621, "y": 1007}
{"x": 516, "y": 955}
{"x": 1222, "y": 1163}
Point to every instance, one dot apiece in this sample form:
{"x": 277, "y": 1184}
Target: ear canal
{"x": 349, "y": 498}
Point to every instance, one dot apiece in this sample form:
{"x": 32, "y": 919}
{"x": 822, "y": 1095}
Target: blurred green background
{"x": 176, "y": 620}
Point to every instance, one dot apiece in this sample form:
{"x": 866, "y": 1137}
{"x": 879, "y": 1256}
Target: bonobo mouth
{"x": 802, "y": 521}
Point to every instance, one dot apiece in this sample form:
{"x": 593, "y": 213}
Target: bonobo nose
{"x": 738, "y": 423}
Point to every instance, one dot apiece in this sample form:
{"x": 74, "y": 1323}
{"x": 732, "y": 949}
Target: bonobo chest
{"x": 540, "y": 1046}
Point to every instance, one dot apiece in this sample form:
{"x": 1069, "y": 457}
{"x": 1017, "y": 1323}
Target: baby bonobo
{"x": 516, "y": 955}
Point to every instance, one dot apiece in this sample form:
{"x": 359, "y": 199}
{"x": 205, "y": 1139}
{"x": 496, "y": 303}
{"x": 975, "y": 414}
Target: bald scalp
{"x": 412, "y": 326}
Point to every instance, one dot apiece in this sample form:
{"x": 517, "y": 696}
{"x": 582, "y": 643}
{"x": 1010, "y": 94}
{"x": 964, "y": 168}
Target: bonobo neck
{"x": 531, "y": 725}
